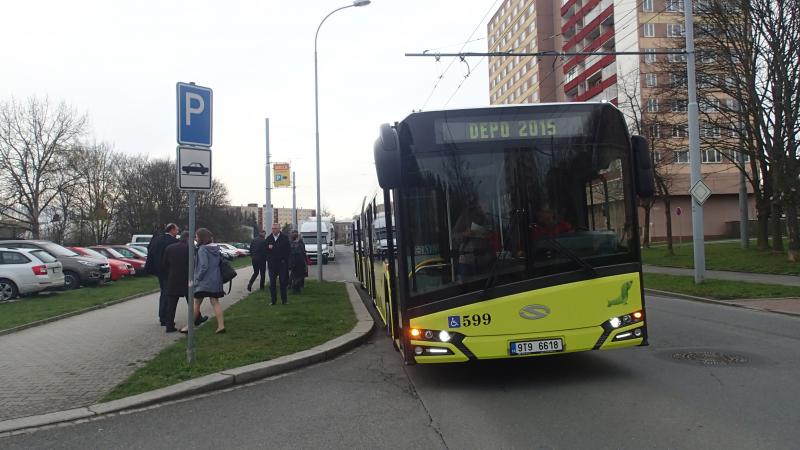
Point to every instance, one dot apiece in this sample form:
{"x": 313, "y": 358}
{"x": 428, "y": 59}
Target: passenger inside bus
{"x": 472, "y": 232}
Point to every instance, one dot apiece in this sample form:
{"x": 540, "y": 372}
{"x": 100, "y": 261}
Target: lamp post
{"x": 316, "y": 119}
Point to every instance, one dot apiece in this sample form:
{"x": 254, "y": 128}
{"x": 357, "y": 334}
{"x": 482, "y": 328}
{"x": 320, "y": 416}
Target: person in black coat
{"x": 278, "y": 262}
{"x": 175, "y": 264}
{"x": 258, "y": 255}
{"x": 155, "y": 256}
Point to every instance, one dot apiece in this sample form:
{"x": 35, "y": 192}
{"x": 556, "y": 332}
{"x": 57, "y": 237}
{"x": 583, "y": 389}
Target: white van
{"x": 141, "y": 239}
{"x": 308, "y": 231}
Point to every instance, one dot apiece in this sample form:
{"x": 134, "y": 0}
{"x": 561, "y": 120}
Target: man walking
{"x": 258, "y": 255}
{"x": 155, "y": 256}
{"x": 176, "y": 265}
{"x": 278, "y": 262}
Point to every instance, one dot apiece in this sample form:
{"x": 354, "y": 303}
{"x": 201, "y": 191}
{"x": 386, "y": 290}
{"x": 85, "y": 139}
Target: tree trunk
{"x": 648, "y": 205}
{"x": 794, "y": 232}
{"x": 763, "y": 213}
{"x": 668, "y": 216}
{"x": 777, "y": 230}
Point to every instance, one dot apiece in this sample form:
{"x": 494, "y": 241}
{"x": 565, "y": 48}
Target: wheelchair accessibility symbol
{"x": 454, "y": 322}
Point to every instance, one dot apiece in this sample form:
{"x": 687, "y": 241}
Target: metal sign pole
{"x": 190, "y": 300}
{"x": 294, "y": 203}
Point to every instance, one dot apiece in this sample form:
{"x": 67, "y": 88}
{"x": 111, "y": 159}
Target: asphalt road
{"x": 659, "y": 396}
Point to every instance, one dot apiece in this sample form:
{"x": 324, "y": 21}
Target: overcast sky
{"x": 119, "y": 62}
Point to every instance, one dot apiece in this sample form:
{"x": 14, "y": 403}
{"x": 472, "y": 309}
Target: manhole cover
{"x": 711, "y": 358}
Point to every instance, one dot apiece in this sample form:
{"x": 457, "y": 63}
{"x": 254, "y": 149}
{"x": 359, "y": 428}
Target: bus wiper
{"x": 492, "y": 279}
{"x": 568, "y": 253}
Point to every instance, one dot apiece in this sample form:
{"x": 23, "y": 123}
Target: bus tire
{"x": 324, "y": 260}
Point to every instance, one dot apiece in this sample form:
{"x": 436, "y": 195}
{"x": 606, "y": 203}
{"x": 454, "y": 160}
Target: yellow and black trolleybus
{"x": 506, "y": 232}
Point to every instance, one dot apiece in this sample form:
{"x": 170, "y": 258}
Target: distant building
{"x": 575, "y": 26}
{"x": 280, "y": 216}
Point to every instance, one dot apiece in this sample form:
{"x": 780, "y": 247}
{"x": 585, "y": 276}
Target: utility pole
{"x": 268, "y": 205}
{"x": 294, "y": 202}
{"x": 694, "y": 147}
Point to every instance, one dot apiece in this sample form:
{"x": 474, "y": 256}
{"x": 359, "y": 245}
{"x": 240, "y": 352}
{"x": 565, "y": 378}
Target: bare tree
{"x": 35, "y": 140}
{"x": 97, "y": 167}
{"x": 652, "y": 123}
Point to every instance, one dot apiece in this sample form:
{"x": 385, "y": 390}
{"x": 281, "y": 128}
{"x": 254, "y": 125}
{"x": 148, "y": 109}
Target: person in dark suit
{"x": 278, "y": 262}
{"x": 155, "y": 256}
{"x": 258, "y": 255}
{"x": 176, "y": 265}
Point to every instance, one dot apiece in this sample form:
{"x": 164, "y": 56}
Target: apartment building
{"x": 280, "y": 215}
{"x": 523, "y": 26}
{"x": 632, "y": 82}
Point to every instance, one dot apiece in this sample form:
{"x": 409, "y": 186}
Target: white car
{"x": 27, "y": 271}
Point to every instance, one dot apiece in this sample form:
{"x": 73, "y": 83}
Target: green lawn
{"x": 255, "y": 332}
{"x": 717, "y": 289}
{"x": 723, "y": 256}
{"x": 238, "y": 263}
{"x": 50, "y": 304}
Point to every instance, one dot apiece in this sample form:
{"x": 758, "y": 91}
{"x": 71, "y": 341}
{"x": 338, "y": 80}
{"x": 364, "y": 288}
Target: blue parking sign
{"x": 194, "y": 115}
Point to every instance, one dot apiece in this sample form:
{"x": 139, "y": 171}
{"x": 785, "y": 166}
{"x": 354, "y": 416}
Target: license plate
{"x": 537, "y": 346}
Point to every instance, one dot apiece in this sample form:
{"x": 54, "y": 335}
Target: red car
{"x": 119, "y": 269}
{"x": 110, "y": 253}
{"x": 128, "y": 252}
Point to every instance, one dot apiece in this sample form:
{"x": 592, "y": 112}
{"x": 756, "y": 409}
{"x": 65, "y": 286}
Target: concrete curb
{"x": 208, "y": 383}
{"x": 75, "y": 313}
{"x": 733, "y": 303}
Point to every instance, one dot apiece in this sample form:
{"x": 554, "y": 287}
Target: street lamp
{"x": 316, "y": 118}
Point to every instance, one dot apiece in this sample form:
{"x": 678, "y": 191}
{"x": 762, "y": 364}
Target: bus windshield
{"x": 506, "y": 211}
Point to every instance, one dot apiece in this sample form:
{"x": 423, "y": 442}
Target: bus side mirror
{"x": 645, "y": 184}
{"x": 387, "y": 157}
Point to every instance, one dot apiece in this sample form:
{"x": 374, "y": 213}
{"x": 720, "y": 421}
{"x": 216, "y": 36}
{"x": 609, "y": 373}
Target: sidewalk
{"x": 75, "y": 361}
{"x": 764, "y": 278}
{"x": 779, "y": 305}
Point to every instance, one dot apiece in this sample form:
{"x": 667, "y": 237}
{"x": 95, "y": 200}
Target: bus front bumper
{"x": 463, "y": 348}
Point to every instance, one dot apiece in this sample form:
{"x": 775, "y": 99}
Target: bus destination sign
{"x": 482, "y": 129}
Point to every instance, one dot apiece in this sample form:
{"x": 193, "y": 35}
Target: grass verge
{"x": 718, "y": 289}
{"x": 723, "y": 256}
{"x": 238, "y": 263}
{"x": 255, "y": 332}
{"x": 50, "y": 304}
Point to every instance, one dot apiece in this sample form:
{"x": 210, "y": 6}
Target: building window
{"x": 675, "y": 30}
{"x": 649, "y": 30}
{"x": 652, "y": 105}
{"x": 711, "y": 156}
{"x": 710, "y": 105}
{"x": 710, "y": 130}
{"x": 655, "y": 131}
{"x": 676, "y": 57}
{"x": 677, "y": 79}
{"x": 732, "y": 104}
{"x": 681, "y": 156}
{"x": 679, "y": 106}
{"x": 679, "y": 131}
{"x": 647, "y": 6}
{"x": 673, "y": 5}
{"x": 649, "y": 55}
{"x": 651, "y": 79}
{"x": 735, "y": 157}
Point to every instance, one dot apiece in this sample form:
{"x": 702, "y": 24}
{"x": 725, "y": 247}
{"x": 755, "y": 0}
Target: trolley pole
{"x": 694, "y": 147}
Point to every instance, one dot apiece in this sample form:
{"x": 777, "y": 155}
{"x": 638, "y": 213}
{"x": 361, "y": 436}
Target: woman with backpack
{"x": 208, "y": 276}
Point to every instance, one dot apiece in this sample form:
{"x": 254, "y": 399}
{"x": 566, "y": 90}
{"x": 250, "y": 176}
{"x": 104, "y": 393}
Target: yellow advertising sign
{"x": 281, "y": 176}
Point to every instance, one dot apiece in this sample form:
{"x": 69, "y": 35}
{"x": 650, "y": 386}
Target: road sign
{"x": 194, "y": 115}
{"x": 281, "y": 171}
{"x": 700, "y": 192}
{"x": 194, "y": 169}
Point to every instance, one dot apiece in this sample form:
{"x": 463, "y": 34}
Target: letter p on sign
{"x": 194, "y": 105}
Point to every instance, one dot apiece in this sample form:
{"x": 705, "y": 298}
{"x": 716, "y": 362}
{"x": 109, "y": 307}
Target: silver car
{"x": 27, "y": 271}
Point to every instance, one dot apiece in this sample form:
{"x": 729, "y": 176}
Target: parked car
{"x": 26, "y": 271}
{"x": 141, "y": 239}
{"x": 129, "y": 252}
{"x": 236, "y": 251}
{"x": 119, "y": 269}
{"x": 141, "y": 247}
{"x": 111, "y": 254}
{"x": 78, "y": 270}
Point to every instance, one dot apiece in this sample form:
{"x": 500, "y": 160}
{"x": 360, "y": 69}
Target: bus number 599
{"x": 475, "y": 320}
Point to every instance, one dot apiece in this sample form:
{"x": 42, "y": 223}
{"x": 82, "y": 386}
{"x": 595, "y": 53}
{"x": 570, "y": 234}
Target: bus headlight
{"x": 444, "y": 336}
{"x": 615, "y": 322}
{"x": 431, "y": 335}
